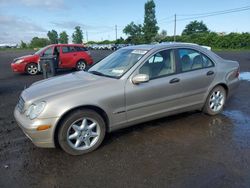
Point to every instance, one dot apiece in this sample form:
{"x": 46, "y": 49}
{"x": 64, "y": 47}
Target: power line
{"x": 208, "y": 14}
{"x": 216, "y": 12}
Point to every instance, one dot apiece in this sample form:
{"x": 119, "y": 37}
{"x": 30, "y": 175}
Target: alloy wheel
{"x": 32, "y": 69}
{"x": 83, "y": 133}
{"x": 216, "y": 101}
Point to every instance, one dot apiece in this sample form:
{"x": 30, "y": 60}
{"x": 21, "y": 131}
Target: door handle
{"x": 210, "y": 73}
{"x": 174, "y": 80}
{"x": 74, "y": 54}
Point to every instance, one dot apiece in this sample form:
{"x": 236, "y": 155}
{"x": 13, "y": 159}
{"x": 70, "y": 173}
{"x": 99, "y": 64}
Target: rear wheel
{"x": 81, "y": 65}
{"x": 81, "y": 132}
{"x": 215, "y": 101}
{"x": 32, "y": 69}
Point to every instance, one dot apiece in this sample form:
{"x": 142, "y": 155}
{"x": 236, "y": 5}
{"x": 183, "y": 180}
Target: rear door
{"x": 67, "y": 56}
{"x": 197, "y": 72}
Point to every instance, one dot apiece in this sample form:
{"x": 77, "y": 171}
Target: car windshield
{"x": 39, "y": 51}
{"x": 118, "y": 63}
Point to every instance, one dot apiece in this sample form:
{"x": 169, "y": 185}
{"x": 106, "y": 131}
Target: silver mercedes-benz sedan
{"x": 132, "y": 85}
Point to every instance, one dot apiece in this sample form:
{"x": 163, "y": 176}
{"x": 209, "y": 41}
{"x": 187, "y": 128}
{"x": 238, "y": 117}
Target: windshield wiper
{"x": 101, "y": 74}
{"x": 97, "y": 73}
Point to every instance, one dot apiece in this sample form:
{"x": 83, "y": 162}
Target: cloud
{"x": 41, "y": 4}
{"x": 14, "y": 29}
{"x": 72, "y": 24}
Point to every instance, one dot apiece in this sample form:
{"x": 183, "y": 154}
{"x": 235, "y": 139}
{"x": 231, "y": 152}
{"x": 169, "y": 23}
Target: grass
{"x": 230, "y": 50}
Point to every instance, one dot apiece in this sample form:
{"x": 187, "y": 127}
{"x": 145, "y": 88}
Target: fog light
{"x": 43, "y": 127}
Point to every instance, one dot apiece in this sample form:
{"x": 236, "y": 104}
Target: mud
{"x": 185, "y": 150}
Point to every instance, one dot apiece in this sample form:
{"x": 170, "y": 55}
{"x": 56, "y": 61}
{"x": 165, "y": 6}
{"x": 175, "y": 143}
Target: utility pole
{"x": 174, "y": 27}
{"x": 115, "y": 32}
{"x": 87, "y": 36}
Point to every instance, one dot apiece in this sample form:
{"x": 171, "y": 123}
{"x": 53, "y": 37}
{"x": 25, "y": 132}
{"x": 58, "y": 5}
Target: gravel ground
{"x": 185, "y": 150}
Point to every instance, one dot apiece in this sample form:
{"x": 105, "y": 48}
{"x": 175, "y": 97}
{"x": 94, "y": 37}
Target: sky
{"x": 25, "y": 19}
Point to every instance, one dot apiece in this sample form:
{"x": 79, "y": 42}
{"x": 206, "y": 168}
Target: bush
{"x": 230, "y": 41}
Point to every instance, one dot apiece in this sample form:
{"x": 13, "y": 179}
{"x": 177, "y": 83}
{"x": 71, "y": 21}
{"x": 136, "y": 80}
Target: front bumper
{"x": 44, "y": 138}
{"x": 18, "y": 67}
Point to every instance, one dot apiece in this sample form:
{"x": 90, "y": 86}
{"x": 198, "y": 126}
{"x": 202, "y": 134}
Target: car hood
{"x": 62, "y": 84}
{"x": 24, "y": 57}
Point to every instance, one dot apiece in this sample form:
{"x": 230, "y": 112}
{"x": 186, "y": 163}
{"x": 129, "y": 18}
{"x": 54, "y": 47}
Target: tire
{"x": 81, "y": 132}
{"x": 31, "y": 69}
{"x": 81, "y": 65}
{"x": 215, "y": 101}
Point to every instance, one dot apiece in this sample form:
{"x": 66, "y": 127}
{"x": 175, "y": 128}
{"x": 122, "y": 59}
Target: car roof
{"x": 65, "y": 45}
{"x": 162, "y": 45}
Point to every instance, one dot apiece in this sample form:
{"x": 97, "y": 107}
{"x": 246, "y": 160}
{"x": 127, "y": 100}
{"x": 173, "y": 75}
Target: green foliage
{"x": 230, "y": 41}
{"x": 77, "y": 36}
{"x": 39, "y": 42}
{"x": 53, "y": 36}
{"x": 23, "y": 44}
{"x": 150, "y": 27}
{"x": 134, "y": 33}
{"x": 120, "y": 41}
{"x": 195, "y": 27}
{"x": 63, "y": 38}
{"x": 160, "y": 36}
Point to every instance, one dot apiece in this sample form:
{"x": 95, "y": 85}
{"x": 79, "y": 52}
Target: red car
{"x": 70, "y": 56}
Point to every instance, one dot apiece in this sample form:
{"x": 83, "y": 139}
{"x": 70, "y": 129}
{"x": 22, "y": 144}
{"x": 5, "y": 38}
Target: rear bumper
{"x": 43, "y": 138}
{"x": 232, "y": 86}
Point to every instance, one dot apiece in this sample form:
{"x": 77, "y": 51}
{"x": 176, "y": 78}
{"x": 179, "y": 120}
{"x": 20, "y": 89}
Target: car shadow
{"x": 165, "y": 121}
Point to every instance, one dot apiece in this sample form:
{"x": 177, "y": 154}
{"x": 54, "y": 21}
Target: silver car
{"x": 132, "y": 85}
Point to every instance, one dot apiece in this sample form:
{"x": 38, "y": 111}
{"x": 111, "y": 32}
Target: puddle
{"x": 241, "y": 128}
{"x": 245, "y": 76}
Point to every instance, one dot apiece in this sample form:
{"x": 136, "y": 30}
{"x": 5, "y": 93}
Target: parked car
{"x": 70, "y": 56}
{"x": 132, "y": 85}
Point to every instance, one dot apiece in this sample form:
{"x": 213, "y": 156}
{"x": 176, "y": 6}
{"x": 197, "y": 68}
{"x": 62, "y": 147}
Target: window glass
{"x": 118, "y": 63}
{"x": 80, "y": 49}
{"x": 65, "y": 49}
{"x": 48, "y": 52}
{"x": 192, "y": 60}
{"x": 72, "y": 49}
{"x": 160, "y": 64}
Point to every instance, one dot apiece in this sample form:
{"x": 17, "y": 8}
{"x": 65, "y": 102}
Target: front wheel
{"x": 81, "y": 65}
{"x": 215, "y": 101}
{"x": 32, "y": 69}
{"x": 81, "y": 132}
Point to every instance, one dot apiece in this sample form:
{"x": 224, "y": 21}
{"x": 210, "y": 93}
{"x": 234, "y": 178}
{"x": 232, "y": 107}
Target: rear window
{"x": 80, "y": 48}
{"x": 67, "y": 49}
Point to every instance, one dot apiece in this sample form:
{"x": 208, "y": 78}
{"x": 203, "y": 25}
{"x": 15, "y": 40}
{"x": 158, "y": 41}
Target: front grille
{"x": 20, "y": 104}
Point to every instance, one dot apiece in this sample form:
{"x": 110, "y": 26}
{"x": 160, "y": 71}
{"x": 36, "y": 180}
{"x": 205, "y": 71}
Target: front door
{"x": 158, "y": 96}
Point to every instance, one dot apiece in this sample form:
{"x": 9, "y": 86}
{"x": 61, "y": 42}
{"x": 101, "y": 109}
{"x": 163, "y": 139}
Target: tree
{"x": 77, "y": 36}
{"x": 134, "y": 33}
{"x": 160, "y": 36}
{"x": 23, "y": 44}
{"x": 150, "y": 27}
{"x": 39, "y": 42}
{"x": 64, "y": 38}
{"x": 53, "y": 36}
{"x": 120, "y": 41}
{"x": 195, "y": 27}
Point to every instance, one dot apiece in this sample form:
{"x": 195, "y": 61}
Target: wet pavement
{"x": 185, "y": 150}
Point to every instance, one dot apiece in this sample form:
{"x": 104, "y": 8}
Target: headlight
{"x": 19, "y": 61}
{"x": 35, "y": 110}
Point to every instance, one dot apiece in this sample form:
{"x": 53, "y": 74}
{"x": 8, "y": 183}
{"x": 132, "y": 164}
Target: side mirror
{"x": 140, "y": 78}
